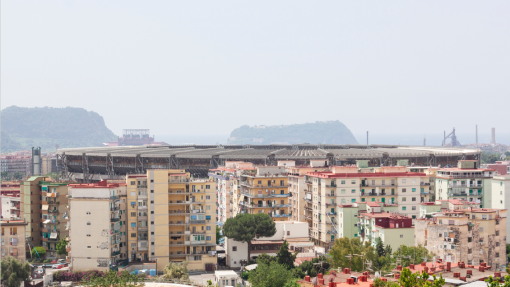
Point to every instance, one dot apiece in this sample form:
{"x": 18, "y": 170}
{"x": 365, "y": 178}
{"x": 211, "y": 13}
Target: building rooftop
{"x": 101, "y": 184}
{"x": 328, "y": 174}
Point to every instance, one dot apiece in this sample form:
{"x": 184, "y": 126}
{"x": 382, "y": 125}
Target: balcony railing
{"x": 115, "y": 253}
{"x": 141, "y": 186}
{"x": 114, "y": 219}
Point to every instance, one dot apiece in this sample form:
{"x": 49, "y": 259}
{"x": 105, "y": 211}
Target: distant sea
{"x": 395, "y": 139}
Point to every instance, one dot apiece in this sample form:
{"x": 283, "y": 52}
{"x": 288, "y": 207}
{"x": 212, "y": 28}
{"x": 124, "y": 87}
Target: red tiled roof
{"x": 373, "y": 204}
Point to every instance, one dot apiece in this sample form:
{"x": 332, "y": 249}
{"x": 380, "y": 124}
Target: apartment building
{"x": 392, "y": 228}
{"x": 474, "y": 235}
{"x": 97, "y": 226}
{"x": 13, "y": 239}
{"x": 265, "y": 190}
{"x": 348, "y": 185}
{"x": 171, "y": 217}
{"x": 45, "y": 206}
{"x": 348, "y": 216}
{"x": 298, "y": 186}
{"x": 501, "y": 197}
{"x": 11, "y": 188}
{"x": 296, "y": 234}
{"x": 10, "y": 207}
{"x": 224, "y": 178}
{"x": 465, "y": 182}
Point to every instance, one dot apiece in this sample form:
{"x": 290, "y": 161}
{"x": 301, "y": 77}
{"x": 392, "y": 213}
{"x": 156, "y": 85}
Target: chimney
{"x": 307, "y": 278}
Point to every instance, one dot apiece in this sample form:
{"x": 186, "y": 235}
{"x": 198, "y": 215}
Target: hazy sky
{"x": 207, "y": 67}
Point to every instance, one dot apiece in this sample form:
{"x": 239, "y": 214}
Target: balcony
{"x": 113, "y": 231}
{"x": 179, "y": 223}
{"x": 331, "y": 185}
{"x": 197, "y": 242}
{"x": 280, "y": 215}
{"x": 142, "y": 207}
{"x": 330, "y": 195}
{"x": 179, "y": 202}
{"x": 115, "y": 253}
{"x": 53, "y": 211}
{"x": 265, "y": 195}
{"x": 141, "y": 186}
{"x": 114, "y": 197}
{"x": 178, "y": 212}
{"x": 330, "y": 213}
{"x": 197, "y": 221}
{"x": 142, "y": 196}
{"x": 114, "y": 219}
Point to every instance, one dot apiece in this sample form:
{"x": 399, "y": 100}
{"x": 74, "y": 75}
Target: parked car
{"x": 61, "y": 261}
{"x": 58, "y": 266}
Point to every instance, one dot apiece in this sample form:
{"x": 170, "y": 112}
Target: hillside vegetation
{"x": 24, "y": 128}
{"x": 332, "y": 132}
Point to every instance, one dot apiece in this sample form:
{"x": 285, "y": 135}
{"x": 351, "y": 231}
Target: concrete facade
{"x": 11, "y": 207}
{"x": 13, "y": 239}
{"x": 45, "y": 207}
{"x": 501, "y": 197}
{"x": 471, "y": 235}
{"x": 97, "y": 226}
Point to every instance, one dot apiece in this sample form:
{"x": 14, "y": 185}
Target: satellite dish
{"x": 377, "y": 275}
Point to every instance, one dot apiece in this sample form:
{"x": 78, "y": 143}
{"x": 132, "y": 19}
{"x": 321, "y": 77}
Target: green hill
{"x": 24, "y": 128}
{"x": 332, "y": 132}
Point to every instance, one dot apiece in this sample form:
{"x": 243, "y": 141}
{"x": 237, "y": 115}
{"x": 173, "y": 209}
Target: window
{"x": 481, "y": 229}
{"x": 403, "y": 208}
{"x": 208, "y": 238}
{"x": 342, "y": 191}
{"x": 403, "y": 181}
{"x": 152, "y": 212}
{"x": 152, "y": 191}
{"x": 413, "y": 180}
{"x": 404, "y": 199}
{"x": 88, "y": 223}
{"x": 440, "y": 235}
{"x": 133, "y": 214}
{"x": 152, "y": 222}
{"x": 208, "y": 228}
{"x": 497, "y": 232}
{"x": 207, "y": 186}
{"x": 234, "y": 248}
{"x": 413, "y": 199}
{"x": 497, "y": 254}
{"x": 413, "y": 208}
{"x": 208, "y": 207}
{"x": 353, "y": 181}
{"x": 403, "y": 190}
{"x": 207, "y": 197}
{"x": 133, "y": 193}
{"x": 288, "y": 233}
{"x": 497, "y": 244}
{"x": 89, "y": 246}
{"x": 133, "y": 183}
{"x": 401, "y": 235}
{"x": 413, "y": 189}
{"x": 353, "y": 191}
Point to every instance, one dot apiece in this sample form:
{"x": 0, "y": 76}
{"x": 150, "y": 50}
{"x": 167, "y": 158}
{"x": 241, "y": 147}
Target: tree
{"x": 273, "y": 275}
{"x": 245, "y": 227}
{"x": 412, "y": 254}
{"x": 292, "y": 283}
{"x": 218, "y": 234}
{"x": 266, "y": 259}
{"x": 61, "y": 247}
{"x": 379, "y": 247}
{"x": 284, "y": 257}
{"x": 176, "y": 271}
{"x": 14, "y": 272}
{"x": 387, "y": 250}
{"x": 495, "y": 281}
{"x": 409, "y": 279}
{"x": 310, "y": 267}
{"x": 40, "y": 251}
{"x": 353, "y": 248}
{"x": 114, "y": 278}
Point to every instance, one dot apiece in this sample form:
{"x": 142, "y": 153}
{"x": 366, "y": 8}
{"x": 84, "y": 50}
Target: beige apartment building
{"x": 97, "y": 225}
{"x": 265, "y": 190}
{"x": 473, "y": 235}
{"x": 171, "y": 217}
{"x": 45, "y": 207}
{"x": 298, "y": 186}
{"x": 348, "y": 184}
{"x": 13, "y": 239}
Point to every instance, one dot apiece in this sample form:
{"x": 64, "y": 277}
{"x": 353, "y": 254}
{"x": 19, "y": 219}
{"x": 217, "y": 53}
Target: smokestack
{"x": 493, "y": 136}
{"x": 476, "y": 135}
{"x": 367, "y": 137}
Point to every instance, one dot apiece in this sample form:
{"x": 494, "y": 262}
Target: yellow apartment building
{"x": 172, "y": 217}
{"x": 265, "y": 190}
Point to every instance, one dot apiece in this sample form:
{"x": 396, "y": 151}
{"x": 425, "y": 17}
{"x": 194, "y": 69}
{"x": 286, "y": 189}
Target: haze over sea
{"x": 374, "y": 138}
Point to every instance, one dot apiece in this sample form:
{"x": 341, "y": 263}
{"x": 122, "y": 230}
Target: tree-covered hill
{"x": 24, "y": 128}
{"x": 332, "y": 132}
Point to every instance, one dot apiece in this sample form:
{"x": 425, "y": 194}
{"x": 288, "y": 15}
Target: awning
{"x": 46, "y": 221}
{"x": 44, "y": 207}
{"x": 53, "y": 235}
{"x": 301, "y": 244}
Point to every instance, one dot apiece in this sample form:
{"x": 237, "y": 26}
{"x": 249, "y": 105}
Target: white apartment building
{"x": 501, "y": 197}
{"x": 465, "y": 182}
{"x": 97, "y": 225}
{"x": 296, "y": 234}
{"x": 10, "y": 207}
